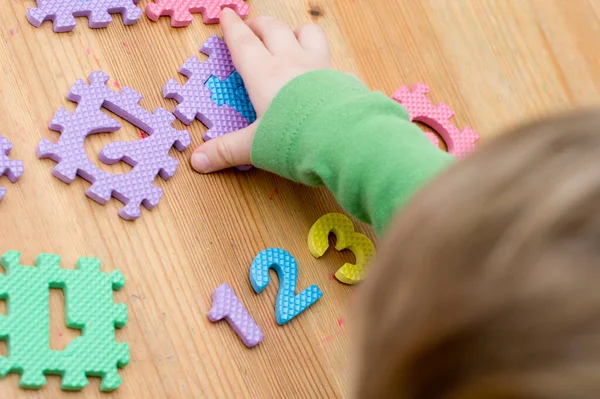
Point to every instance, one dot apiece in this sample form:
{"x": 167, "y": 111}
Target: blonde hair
{"x": 488, "y": 285}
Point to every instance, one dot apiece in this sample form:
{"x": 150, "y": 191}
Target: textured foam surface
{"x": 181, "y": 11}
{"x": 149, "y": 157}
{"x": 232, "y": 92}
{"x": 287, "y": 305}
{"x": 195, "y": 98}
{"x": 459, "y": 142}
{"x": 346, "y": 238}
{"x": 63, "y": 12}
{"x": 89, "y": 307}
{"x": 226, "y": 305}
{"x": 8, "y": 167}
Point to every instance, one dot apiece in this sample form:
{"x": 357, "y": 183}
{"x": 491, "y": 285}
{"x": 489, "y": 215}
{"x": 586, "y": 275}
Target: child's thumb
{"x": 232, "y": 149}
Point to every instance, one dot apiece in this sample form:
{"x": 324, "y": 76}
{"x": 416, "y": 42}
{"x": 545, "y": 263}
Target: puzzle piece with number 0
{"x": 10, "y": 168}
{"x": 89, "y": 307}
{"x": 459, "y": 142}
{"x": 346, "y": 238}
{"x": 63, "y": 13}
{"x": 181, "y": 11}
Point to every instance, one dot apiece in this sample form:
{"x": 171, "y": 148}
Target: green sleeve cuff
{"x": 287, "y": 115}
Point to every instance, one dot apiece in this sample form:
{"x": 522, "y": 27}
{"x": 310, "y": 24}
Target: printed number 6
{"x": 347, "y": 238}
{"x": 287, "y": 305}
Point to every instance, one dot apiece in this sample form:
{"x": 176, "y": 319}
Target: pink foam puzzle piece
{"x": 63, "y": 12}
{"x": 226, "y": 305}
{"x": 10, "y": 168}
{"x": 195, "y": 99}
{"x": 181, "y": 11}
{"x": 459, "y": 142}
{"x": 149, "y": 157}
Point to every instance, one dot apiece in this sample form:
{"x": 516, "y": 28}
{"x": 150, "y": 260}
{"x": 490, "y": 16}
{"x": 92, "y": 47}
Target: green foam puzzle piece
{"x": 89, "y": 307}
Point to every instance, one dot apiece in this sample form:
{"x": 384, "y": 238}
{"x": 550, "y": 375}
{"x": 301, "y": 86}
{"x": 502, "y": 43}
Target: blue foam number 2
{"x": 287, "y": 305}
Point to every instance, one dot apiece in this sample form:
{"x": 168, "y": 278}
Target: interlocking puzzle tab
{"x": 459, "y": 142}
{"x": 226, "y": 305}
{"x": 149, "y": 157}
{"x": 89, "y": 307}
{"x": 195, "y": 97}
{"x": 10, "y": 168}
{"x": 181, "y": 11}
{"x": 346, "y": 238}
{"x": 63, "y": 13}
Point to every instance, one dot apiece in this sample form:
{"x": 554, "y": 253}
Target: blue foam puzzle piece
{"x": 232, "y": 92}
{"x": 287, "y": 305}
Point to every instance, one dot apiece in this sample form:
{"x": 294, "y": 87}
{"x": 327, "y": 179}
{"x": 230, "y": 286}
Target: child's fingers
{"x": 312, "y": 38}
{"x": 275, "y": 34}
{"x": 232, "y": 149}
{"x": 247, "y": 51}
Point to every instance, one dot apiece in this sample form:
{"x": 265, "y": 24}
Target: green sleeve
{"x": 327, "y": 128}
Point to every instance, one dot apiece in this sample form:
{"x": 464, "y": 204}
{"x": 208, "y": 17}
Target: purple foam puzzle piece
{"x": 148, "y": 157}
{"x": 10, "y": 168}
{"x": 195, "y": 99}
{"x": 63, "y": 12}
{"x": 226, "y": 305}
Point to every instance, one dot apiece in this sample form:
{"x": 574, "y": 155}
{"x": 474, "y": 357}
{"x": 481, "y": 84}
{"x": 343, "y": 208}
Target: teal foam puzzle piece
{"x": 287, "y": 305}
{"x": 89, "y": 306}
{"x": 232, "y": 92}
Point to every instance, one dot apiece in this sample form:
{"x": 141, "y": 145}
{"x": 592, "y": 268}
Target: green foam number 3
{"x": 89, "y": 307}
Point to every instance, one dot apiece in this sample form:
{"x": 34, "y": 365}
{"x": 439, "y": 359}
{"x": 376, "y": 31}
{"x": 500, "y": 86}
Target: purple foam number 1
{"x": 226, "y": 305}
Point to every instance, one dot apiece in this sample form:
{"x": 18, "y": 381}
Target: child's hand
{"x": 268, "y": 55}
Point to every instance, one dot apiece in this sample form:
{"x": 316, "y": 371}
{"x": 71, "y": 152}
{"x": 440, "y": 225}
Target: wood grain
{"x": 496, "y": 63}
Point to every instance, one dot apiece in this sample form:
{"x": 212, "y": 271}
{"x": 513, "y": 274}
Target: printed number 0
{"x": 287, "y": 305}
{"x": 347, "y": 238}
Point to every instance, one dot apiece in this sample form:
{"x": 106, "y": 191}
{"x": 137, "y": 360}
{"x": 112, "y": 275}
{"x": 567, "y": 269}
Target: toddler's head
{"x": 488, "y": 285}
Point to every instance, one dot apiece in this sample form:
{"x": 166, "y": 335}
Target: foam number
{"x": 226, "y": 305}
{"x": 287, "y": 305}
{"x": 346, "y": 238}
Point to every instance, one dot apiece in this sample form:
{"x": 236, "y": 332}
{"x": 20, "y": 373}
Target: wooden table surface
{"x": 495, "y": 62}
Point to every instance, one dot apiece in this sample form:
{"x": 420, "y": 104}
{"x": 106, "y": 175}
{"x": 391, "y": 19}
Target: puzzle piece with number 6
{"x": 89, "y": 307}
{"x": 149, "y": 157}
{"x": 9, "y": 167}
{"x": 63, "y": 13}
{"x": 181, "y": 11}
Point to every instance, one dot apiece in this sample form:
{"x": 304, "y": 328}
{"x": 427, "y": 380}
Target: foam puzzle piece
{"x": 195, "y": 98}
{"x": 10, "y": 168}
{"x": 63, "y": 12}
{"x": 181, "y": 11}
{"x": 226, "y": 305}
{"x": 232, "y": 92}
{"x": 346, "y": 238}
{"x": 459, "y": 142}
{"x": 287, "y": 305}
{"x": 89, "y": 307}
{"x": 149, "y": 157}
